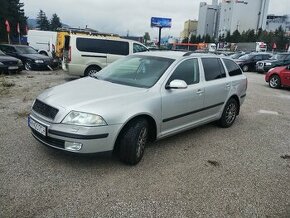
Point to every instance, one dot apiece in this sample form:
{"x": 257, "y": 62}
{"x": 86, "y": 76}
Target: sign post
{"x": 160, "y": 23}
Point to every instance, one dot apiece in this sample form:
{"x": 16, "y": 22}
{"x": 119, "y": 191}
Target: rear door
{"x": 217, "y": 86}
{"x": 181, "y": 107}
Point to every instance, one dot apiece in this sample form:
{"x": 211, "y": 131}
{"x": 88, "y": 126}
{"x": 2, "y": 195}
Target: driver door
{"x": 180, "y": 107}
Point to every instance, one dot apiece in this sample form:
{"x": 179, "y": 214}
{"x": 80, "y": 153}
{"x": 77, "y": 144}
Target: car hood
{"x": 91, "y": 95}
{"x": 35, "y": 56}
{"x": 273, "y": 61}
{"x": 7, "y": 58}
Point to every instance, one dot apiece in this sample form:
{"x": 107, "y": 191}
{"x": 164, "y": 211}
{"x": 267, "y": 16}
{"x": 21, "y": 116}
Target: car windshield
{"x": 137, "y": 71}
{"x": 1, "y": 53}
{"x": 278, "y": 57}
{"x": 26, "y": 50}
{"x": 246, "y": 57}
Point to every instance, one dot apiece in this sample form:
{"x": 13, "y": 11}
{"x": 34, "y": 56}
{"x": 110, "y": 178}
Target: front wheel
{"x": 229, "y": 114}
{"x": 132, "y": 141}
{"x": 90, "y": 71}
{"x": 275, "y": 82}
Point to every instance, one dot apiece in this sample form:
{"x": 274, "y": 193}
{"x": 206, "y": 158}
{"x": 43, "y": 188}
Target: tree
{"x": 42, "y": 21}
{"x": 55, "y": 23}
{"x": 11, "y": 10}
{"x": 146, "y": 37}
{"x": 236, "y": 36}
{"x": 193, "y": 39}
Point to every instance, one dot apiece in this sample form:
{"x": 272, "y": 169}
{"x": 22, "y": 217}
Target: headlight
{"x": 268, "y": 64}
{"x": 19, "y": 63}
{"x": 39, "y": 61}
{"x": 84, "y": 119}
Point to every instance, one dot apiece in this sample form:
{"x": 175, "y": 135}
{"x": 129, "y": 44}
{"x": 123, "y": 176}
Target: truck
{"x": 251, "y": 46}
{"x": 43, "y": 41}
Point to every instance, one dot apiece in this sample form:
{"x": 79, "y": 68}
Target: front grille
{"x": 44, "y": 109}
{"x": 10, "y": 63}
{"x": 48, "y": 140}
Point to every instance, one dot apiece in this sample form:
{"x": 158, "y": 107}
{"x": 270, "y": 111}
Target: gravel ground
{"x": 204, "y": 172}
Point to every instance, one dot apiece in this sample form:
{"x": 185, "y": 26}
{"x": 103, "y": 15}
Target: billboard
{"x": 160, "y": 22}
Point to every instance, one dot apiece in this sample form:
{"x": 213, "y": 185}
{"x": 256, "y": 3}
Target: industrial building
{"x": 190, "y": 28}
{"x": 274, "y": 22}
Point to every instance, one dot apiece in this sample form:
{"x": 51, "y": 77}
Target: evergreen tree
{"x": 55, "y": 22}
{"x": 193, "y": 39}
{"x": 236, "y": 36}
{"x": 11, "y": 10}
{"x": 42, "y": 21}
{"x": 146, "y": 37}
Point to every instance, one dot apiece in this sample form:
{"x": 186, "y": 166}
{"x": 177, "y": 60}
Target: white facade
{"x": 242, "y": 15}
{"x": 207, "y": 18}
{"x": 274, "y": 22}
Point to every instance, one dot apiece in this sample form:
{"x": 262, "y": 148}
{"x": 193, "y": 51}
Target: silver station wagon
{"x": 140, "y": 98}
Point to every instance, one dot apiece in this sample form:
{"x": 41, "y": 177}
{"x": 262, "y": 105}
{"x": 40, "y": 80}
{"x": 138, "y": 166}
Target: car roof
{"x": 175, "y": 54}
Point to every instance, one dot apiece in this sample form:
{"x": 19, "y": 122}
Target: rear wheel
{"x": 275, "y": 82}
{"x": 92, "y": 70}
{"x": 132, "y": 141}
{"x": 28, "y": 66}
{"x": 229, "y": 114}
{"x": 245, "y": 68}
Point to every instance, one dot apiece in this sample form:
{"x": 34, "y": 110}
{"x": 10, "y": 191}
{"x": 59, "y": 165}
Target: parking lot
{"x": 243, "y": 171}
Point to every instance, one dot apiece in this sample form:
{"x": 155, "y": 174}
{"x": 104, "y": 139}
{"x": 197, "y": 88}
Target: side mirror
{"x": 177, "y": 84}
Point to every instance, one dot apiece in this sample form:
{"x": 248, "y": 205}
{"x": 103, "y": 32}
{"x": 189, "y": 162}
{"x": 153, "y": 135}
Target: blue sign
{"x": 160, "y": 22}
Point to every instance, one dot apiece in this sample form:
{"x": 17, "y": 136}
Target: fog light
{"x": 73, "y": 146}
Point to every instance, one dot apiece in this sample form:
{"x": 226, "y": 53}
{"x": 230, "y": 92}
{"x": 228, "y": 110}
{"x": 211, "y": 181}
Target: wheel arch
{"x": 152, "y": 127}
{"x": 92, "y": 65}
{"x": 238, "y": 101}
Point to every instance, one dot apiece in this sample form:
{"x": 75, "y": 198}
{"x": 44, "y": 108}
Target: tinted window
{"x": 188, "y": 71}
{"x": 7, "y": 49}
{"x": 139, "y": 48}
{"x": 287, "y": 58}
{"x": 213, "y": 68}
{"x": 232, "y": 67}
{"x": 103, "y": 46}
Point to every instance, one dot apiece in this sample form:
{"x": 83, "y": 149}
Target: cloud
{"x": 120, "y": 16}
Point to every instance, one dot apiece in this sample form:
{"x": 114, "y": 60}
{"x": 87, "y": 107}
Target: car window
{"x": 213, "y": 69}
{"x": 232, "y": 67}
{"x": 187, "y": 71}
{"x": 258, "y": 58}
{"x": 103, "y": 46}
{"x": 287, "y": 58}
{"x": 138, "y": 48}
{"x": 7, "y": 49}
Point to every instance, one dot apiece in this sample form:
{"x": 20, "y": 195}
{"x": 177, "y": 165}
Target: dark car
{"x": 238, "y": 55}
{"x": 281, "y": 59}
{"x": 248, "y": 62}
{"x": 278, "y": 77}
{"x": 9, "y": 64}
{"x": 31, "y": 59}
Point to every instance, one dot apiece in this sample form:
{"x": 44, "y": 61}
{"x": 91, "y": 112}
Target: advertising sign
{"x": 161, "y": 22}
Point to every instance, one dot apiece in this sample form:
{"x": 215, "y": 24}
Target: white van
{"x": 86, "y": 55}
{"x": 42, "y": 41}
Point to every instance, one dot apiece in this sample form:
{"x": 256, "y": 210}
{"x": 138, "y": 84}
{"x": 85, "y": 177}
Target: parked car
{"x": 86, "y": 55}
{"x": 31, "y": 59}
{"x": 146, "y": 96}
{"x": 281, "y": 59}
{"x": 248, "y": 62}
{"x": 278, "y": 77}
{"x": 9, "y": 64}
{"x": 238, "y": 55}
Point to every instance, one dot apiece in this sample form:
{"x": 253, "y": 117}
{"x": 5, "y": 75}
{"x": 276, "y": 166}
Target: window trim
{"x": 221, "y": 64}
{"x": 228, "y": 72}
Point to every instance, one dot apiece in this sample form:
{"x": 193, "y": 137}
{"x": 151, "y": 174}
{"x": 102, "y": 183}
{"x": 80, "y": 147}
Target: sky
{"x": 128, "y": 16}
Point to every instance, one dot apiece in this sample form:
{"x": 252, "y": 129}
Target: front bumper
{"x": 92, "y": 139}
{"x": 264, "y": 68}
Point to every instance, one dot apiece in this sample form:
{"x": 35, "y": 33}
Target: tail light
{"x": 69, "y": 54}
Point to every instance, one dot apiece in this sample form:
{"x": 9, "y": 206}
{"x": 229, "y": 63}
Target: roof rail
{"x": 188, "y": 53}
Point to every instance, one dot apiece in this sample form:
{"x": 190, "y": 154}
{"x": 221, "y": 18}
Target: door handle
{"x": 199, "y": 91}
{"x": 228, "y": 86}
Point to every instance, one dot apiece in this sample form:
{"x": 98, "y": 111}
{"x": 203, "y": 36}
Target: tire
{"x": 275, "y": 82}
{"x": 132, "y": 141}
{"x": 92, "y": 70}
{"x": 245, "y": 68}
{"x": 229, "y": 114}
{"x": 27, "y": 66}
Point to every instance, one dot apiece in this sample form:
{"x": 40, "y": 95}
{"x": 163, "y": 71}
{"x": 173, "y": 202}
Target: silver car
{"x": 139, "y": 98}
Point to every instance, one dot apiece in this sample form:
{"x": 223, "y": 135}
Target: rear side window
{"x": 232, "y": 67}
{"x": 213, "y": 68}
{"x": 187, "y": 71}
{"x": 103, "y": 46}
{"x": 139, "y": 48}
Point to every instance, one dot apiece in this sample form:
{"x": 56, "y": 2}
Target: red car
{"x": 278, "y": 76}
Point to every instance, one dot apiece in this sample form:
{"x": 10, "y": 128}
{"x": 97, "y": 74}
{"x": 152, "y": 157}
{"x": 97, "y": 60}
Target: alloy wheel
{"x": 142, "y": 139}
{"x": 231, "y": 113}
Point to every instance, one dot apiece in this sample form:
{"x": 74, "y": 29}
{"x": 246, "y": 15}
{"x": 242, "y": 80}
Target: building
{"x": 190, "y": 28}
{"x": 208, "y": 19}
{"x": 274, "y": 22}
{"x": 242, "y": 15}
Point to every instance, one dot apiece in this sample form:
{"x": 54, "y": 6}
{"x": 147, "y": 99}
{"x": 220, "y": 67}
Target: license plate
{"x": 37, "y": 126}
{"x": 13, "y": 68}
